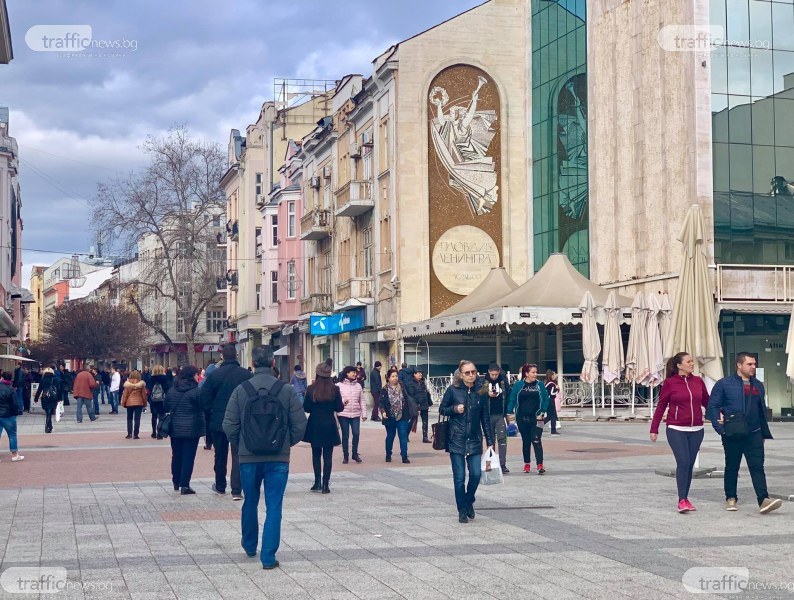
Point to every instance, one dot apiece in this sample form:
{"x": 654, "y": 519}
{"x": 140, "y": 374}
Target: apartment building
{"x": 36, "y": 313}
{"x": 253, "y": 161}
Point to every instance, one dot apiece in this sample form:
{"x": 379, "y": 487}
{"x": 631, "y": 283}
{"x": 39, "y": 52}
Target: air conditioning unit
{"x": 355, "y": 150}
{"x": 315, "y": 182}
{"x": 322, "y": 219}
{"x": 259, "y": 200}
{"x": 366, "y": 139}
{"x": 327, "y": 172}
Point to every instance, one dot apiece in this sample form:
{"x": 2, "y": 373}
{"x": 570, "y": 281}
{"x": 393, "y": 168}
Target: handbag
{"x": 413, "y": 409}
{"x": 440, "y": 430}
{"x": 164, "y": 426}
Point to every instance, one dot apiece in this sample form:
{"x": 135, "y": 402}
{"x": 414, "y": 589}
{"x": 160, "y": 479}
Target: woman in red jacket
{"x": 684, "y": 396}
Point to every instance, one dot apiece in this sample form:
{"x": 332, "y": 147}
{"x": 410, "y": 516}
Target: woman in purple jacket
{"x": 684, "y": 396}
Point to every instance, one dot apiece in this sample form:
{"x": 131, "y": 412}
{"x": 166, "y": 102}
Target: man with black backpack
{"x": 264, "y": 419}
{"x": 215, "y": 393}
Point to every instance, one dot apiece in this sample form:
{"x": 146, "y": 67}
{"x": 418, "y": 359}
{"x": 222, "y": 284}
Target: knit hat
{"x": 324, "y": 369}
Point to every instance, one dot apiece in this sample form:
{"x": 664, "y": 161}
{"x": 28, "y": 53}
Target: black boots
{"x": 316, "y": 486}
{"x": 345, "y": 459}
{"x": 357, "y": 458}
{"x": 326, "y": 490}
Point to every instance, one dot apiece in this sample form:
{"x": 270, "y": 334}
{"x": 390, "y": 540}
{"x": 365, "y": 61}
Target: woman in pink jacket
{"x": 684, "y": 396}
{"x": 355, "y": 411}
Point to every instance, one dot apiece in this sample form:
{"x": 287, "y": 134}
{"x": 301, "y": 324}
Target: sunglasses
{"x": 469, "y": 372}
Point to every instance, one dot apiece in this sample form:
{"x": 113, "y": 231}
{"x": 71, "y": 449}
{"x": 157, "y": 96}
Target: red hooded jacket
{"x": 686, "y": 398}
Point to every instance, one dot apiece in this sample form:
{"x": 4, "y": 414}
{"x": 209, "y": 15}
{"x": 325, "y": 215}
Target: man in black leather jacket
{"x": 469, "y": 420}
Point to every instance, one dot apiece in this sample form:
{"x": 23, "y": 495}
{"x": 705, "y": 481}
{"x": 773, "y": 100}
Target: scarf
{"x": 396, "y": 401}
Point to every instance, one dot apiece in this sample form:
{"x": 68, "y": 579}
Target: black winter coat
{"x": 44, "y": 384}
{"x": 184, "y": 404}
{"x": 375, "y": 383}
{"x": 321, "y": 429}
{"x": 218, "y": 387}
{"x": 418, "y": 391}
{"x": 153, "y": 379}
{"x": 385, "y": 405}
{"x": 8, "y": 401}
{"x": 465, "y": 431}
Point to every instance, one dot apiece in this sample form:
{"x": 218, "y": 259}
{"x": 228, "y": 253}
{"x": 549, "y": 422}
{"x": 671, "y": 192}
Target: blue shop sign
{"x": 349, "y": 320}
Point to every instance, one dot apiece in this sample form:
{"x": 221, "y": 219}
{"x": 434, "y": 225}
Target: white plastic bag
{"x": 491, "y": 468}
{"x": 59, "y": 411}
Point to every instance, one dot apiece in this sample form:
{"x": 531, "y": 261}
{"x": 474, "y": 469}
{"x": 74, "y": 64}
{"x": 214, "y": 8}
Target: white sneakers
{"x": 17, "y": 458}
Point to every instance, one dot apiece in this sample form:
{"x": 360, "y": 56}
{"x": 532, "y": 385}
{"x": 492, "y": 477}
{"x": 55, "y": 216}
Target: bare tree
{"x": 169, "y": 212}
{"x": 96, "y": 330}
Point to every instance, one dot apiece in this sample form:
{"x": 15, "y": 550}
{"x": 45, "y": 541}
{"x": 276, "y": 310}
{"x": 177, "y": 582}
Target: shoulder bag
{"x": 440, "y": 429}
{"x": 736, "y": 423}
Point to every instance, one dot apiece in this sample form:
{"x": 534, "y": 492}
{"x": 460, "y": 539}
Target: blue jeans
{"x": 10, "y": 425}
{"x": 96, "y": 400}
{"x": 114, "y": 401}
{"x": 274, "y": 475}
{"x": 399, "y": 428}
{"x": 465, "y": 497}
{"x": 104, "y": 393}
{"x": 89, "y": 406}
{"x": 20, "y": 402}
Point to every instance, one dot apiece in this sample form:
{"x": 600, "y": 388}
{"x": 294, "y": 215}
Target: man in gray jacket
{"x": 272, "y": 469}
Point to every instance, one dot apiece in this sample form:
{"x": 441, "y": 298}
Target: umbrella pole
{"x": 603, "y": 405}
{"x": 650, "y": 400}
{"x": 499, "y": 344}
{"x": 633, "y": 391}
{"x": 612, "y": 399}
{"x": 592, "y": 395}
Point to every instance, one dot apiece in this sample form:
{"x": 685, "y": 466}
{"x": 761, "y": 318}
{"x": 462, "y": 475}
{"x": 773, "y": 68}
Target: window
{"x": 258, "y": 250}
{"x": 216, "y": 221}
{"x": 258, "y": 296}
{"x": 274, "y": 227}
{"x": 258, "y": 186}
{"x": 291, "y": 219}
{"x": 216, "y": 321}
{"x": 367, "y": 165}
{"x": 326, "y": 273}
{"x": 327, "y": 194}
{"x": 274, "y": 287}
{"x": 291, "y": 280}
{"x": 368, "y": 252}
{"x": 158, "y": 320}
{"x": 180, "y": 324}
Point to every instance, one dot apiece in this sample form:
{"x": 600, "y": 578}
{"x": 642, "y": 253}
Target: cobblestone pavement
{"x": 599, "y": 524}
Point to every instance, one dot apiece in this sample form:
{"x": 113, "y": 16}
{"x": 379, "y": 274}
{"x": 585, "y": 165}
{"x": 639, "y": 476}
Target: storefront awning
{"x": 283, "y": 351}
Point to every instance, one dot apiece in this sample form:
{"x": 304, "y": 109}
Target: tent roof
{"x": 557, "y": 284}
{"x": 496, "y": 285}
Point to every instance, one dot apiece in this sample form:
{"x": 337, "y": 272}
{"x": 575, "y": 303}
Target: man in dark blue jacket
{"x": 740, "y": 398}
{"x": 215, "y": 394}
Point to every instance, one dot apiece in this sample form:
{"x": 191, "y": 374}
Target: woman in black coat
{"x": 321, "y": 401}
{"x": 397, "y": 411}
{"x": 49, "y": 401}
{"x": 187, "y": 426}
{"x": 156, "y": 403}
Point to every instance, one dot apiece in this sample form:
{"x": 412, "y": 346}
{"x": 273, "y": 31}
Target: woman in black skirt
{"x": 322, "y": 400}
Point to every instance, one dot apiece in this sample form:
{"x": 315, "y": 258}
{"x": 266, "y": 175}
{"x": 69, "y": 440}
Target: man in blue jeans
{"x": 270, "y": 469}
{"x": 469, "y": 420}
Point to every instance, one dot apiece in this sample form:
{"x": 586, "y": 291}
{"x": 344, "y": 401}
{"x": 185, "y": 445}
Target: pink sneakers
{"x": 689, "y": 504}
{"x": 527, "y": 468}
{"x": 685, "y": 506}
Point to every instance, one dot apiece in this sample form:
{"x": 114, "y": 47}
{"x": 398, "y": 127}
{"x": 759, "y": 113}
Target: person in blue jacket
{"x": 530, "y": 401}
{"x": 739, "y": 398}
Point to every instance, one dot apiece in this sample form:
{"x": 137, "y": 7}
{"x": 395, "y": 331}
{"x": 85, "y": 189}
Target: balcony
{"x": 221, "y": 285}
{"x": 755, "y": 283}
{"x": 232, "y": 279}
{"x": 233, "y": 230}
{"x": 354, "y": 288}
{"x": 316, "y": 224}
{"x": 316, "y": 303}
{"x": 220, "y": 238}
{"x": 354, "y": 199}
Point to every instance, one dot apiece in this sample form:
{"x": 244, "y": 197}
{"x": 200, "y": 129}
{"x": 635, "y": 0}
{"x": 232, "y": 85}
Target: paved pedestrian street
{"x": 599, "y": 524}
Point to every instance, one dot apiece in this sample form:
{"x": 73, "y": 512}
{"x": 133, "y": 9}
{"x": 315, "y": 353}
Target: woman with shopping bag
{"x": 48, "y": 390}
{"x": 469, "y": 421}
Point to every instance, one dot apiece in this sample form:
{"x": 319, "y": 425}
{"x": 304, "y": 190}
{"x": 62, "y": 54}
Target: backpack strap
{"x": 249, "y": 389}
{"x": 252, "y": 392}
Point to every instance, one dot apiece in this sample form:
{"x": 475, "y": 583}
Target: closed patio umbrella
{"x": 591, "y": 344}
{"x": 637, "y": 353}
{"x": 665, "y": 322}
{"x": 694, "y": 326}
{"x": 614, "y": 357}
{"x": 655, "y": 354}
{"x": 790, "y": 348}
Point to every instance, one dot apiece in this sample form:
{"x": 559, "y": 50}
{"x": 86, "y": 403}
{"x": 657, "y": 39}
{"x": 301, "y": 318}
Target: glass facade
{"x": 752, "y": 91}
{"x": 559, "y": 131}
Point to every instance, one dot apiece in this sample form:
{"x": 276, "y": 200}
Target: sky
{"x": 80, "y": 118}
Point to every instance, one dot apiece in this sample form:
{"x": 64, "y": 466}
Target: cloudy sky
{"x": 81, "y": 119}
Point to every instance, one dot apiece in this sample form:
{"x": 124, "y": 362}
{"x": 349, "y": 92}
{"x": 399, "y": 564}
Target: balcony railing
{"x": 316, "y": 224}
{"x": 316, "y": 303}
{"x": 232, "y": 279}
{"x": 354, "y": 199}
{"x": 755, "y": 283}
{"x": 220, "y": 237}
{"x": 221, "y": 284}
{"x": 233, "y": 230}
{"x": 355, "y": 287}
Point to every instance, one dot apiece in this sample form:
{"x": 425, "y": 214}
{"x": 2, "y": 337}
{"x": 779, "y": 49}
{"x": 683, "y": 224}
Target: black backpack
{"x": 264, "y": 421}
{"x": 50, "y": 393}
